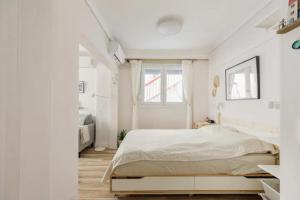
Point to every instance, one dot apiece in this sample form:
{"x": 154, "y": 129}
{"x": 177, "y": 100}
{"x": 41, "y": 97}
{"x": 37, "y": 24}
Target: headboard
{"x": 264, "y": 132}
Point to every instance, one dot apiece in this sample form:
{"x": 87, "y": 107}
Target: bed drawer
{"x": 271, "y": 187}
{"x": 153, "y": 184}
{"x": 227, "y": 183}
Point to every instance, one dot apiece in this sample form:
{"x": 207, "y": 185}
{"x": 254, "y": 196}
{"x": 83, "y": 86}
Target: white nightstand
{"x": 271, "y": 186}
{"x": 272, "y": 169}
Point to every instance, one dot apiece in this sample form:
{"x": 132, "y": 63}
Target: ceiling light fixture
{"x": 170, "y": 25}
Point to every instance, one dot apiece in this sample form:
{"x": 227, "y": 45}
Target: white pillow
{"x": 217, "y": 128}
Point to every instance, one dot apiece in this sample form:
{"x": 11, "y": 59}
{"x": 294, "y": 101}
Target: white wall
{"x": 164, "y": 117}
{"x": 104, "y": 106}
{"x": 87, "y": 100}
{"x": 2, "y": 119}
{"x": 93, "y": 38}
{"x": 125, "y": 98}
{"x": 39, "y": 57}
{"x": 39, "y": 107}
{"x": 290, "y": 115}
{"x": 10, "y": 145}
{"x": 200, "y": 84}
{"x": 98, "y": 98}
{"x": 246, "y": 43}
{"x": 95, "y": 41}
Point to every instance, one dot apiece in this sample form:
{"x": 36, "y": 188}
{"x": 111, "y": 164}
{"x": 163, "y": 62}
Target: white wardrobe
{"x": 290, "y": 117}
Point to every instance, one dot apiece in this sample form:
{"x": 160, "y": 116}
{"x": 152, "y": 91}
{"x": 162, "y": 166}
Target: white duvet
{"x": 207, "y": 143}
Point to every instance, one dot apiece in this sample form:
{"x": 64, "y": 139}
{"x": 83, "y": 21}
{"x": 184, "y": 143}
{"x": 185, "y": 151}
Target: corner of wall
{"x": 247, "y": 42}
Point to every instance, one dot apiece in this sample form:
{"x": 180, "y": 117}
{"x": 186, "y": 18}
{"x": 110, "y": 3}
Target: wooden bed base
{"x": 199, "y": 184}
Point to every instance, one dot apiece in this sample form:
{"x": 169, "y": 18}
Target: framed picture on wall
{"x": 81, "y": 86}
{"x": 242, "y": 80}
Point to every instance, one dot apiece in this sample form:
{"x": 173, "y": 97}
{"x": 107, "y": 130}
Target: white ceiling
{"x": 207, "y": 23}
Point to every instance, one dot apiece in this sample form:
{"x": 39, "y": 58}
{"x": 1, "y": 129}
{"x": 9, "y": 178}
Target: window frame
{"x": 163, "y": 97}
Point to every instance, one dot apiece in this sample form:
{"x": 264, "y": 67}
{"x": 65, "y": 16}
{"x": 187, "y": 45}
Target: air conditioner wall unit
{"x": 116, "y": 51}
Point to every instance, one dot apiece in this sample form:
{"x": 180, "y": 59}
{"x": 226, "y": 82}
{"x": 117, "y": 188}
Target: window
{"x": 152, "y": 85}
{"x": 174, "y": 85}
{"x": 162, "y": 84}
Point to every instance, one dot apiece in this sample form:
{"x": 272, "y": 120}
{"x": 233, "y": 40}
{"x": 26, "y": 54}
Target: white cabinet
{"x": 271, "y": 188}
{"x": 272, "y": 169}
{"x": 227, "y": 183}
{"x": 290, "y": 109}
{"x": 153, "y": 184}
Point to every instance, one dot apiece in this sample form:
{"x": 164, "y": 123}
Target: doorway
{"x": 97, "y": 124}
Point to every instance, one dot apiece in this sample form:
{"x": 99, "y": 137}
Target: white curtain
{"x": 187, "y": 76}
{"x": 136, "y": 68}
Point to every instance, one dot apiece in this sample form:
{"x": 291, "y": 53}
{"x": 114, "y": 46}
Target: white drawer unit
{"x": 272, "y": 169}
{"x": 227, "y": 183}
{"x": 271, "y": 187}
{"x": 153, "y": 184}
{"x": 187, "y": 185}
{"x": 264, "y": 197}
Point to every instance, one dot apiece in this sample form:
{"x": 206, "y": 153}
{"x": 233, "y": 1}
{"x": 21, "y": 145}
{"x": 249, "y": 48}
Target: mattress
{"x": 242, "y": 165}
{"x": 209, "y": 150}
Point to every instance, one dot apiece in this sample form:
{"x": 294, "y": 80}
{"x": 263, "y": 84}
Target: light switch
{"x": 274, "y": 105}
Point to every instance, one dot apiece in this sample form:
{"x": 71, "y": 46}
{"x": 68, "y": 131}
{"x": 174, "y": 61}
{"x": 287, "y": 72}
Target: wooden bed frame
{"x": 200, "y": 183}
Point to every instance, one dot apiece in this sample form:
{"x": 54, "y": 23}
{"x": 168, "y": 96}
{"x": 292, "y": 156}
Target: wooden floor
{"x": 92, "y": 166}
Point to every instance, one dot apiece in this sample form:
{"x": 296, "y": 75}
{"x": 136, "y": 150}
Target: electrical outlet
{"x": 271, "y": 105}
{"x": 274, "y": 105}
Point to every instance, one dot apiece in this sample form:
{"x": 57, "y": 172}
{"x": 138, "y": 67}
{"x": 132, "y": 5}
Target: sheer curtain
{"x": 187, "y": 76}
{"x": 136, "y": 68}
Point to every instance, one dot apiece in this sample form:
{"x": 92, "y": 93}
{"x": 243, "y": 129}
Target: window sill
{"x": 162, "y": 106}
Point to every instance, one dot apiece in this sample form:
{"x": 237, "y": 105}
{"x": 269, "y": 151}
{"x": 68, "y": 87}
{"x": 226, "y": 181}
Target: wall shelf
{"x": 289, "y": 27}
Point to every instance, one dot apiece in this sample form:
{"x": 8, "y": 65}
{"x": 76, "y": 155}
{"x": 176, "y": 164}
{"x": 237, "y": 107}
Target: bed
{"x": 206, "y": 160}
{"x": 86, "y": 131}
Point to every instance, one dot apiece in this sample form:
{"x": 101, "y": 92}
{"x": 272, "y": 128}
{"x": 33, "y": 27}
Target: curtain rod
{"x": 155, "y": 59}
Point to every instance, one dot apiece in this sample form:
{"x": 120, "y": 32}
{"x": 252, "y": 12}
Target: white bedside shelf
{"x": 272, "y": 169}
